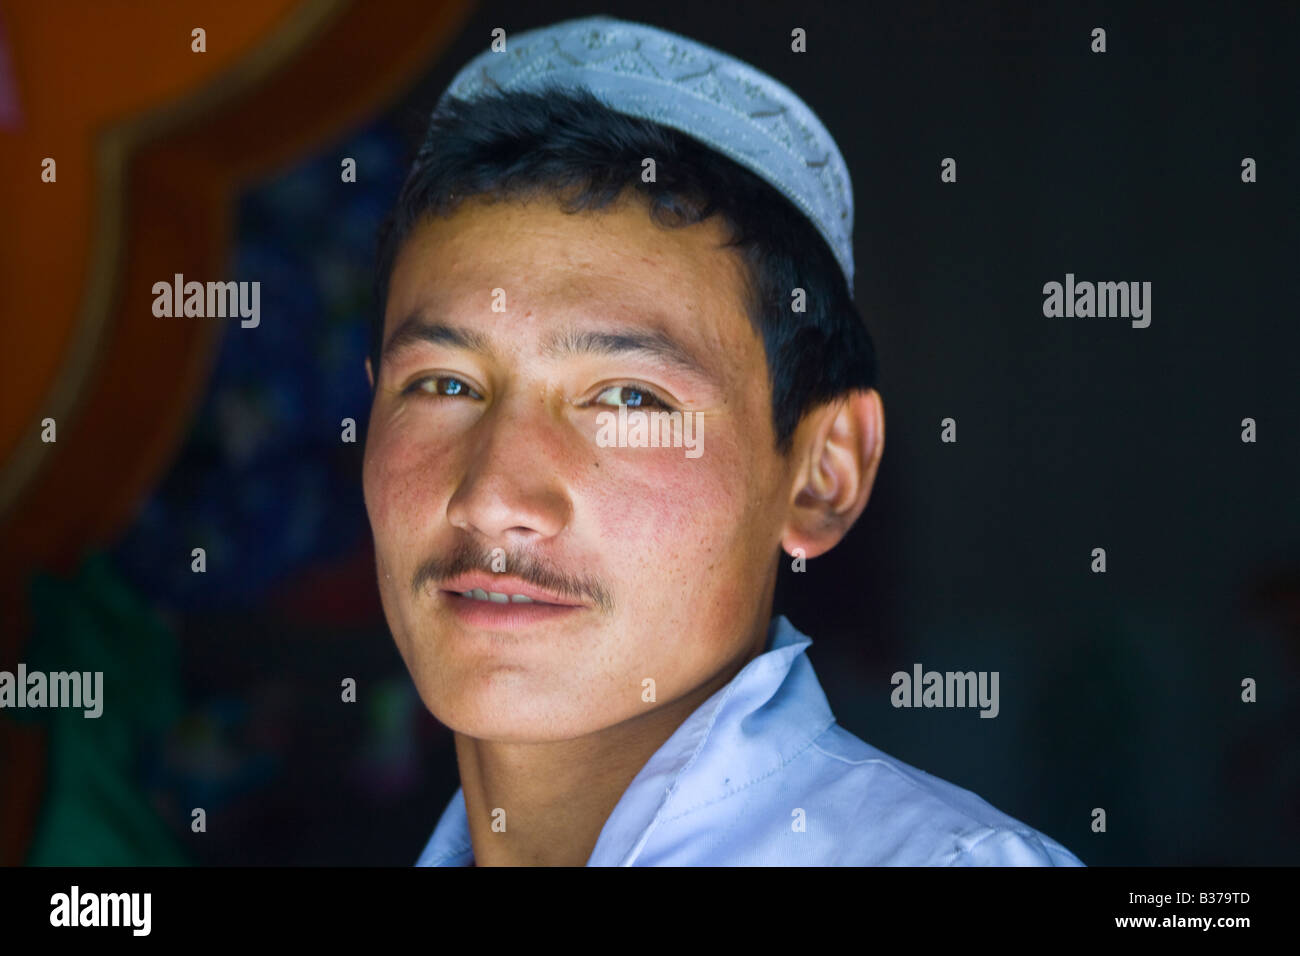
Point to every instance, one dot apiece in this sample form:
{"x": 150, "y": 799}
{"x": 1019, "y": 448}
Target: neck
{"x": 557, "y": 795}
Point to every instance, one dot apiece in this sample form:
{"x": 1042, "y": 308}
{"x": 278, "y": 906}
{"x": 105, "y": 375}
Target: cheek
{"x": 401, "y": 479}
{"x": 680, "y": 511}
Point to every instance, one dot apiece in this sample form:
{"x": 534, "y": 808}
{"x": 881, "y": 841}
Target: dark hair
{"x": 573, "y": 147}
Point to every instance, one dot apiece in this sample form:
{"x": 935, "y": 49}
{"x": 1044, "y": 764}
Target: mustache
{"x": 465, "y": 557}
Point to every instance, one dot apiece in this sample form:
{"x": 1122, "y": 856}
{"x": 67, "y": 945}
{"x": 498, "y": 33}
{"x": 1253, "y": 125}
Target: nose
{"x": 512, "y": 489}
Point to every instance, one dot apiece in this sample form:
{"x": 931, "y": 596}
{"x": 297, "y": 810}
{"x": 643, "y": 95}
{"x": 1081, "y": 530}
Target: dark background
{"x": 1119, "y": 690}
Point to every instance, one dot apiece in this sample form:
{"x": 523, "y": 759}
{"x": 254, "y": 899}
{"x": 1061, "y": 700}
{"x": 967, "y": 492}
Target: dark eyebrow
{"x": 415, "y": 328}
{"x": 652, "y": 343}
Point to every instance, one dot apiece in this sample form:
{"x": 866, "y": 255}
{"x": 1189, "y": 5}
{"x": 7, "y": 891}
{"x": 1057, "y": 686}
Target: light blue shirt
{"x": 761, "y": 775}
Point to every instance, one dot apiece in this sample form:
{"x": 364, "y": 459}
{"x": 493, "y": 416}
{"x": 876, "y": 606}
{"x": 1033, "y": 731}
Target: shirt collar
{"x": 770, "y": 711}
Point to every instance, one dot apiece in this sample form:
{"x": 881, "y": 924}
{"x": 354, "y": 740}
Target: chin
{"x": 511, "y": 714}
{"x": 509, "y": 728}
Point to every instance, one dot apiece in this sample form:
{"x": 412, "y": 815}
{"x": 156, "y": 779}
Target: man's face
{"x": 509, "y": 329}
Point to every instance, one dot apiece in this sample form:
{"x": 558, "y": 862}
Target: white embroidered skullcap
{"x": 719, "y": 100}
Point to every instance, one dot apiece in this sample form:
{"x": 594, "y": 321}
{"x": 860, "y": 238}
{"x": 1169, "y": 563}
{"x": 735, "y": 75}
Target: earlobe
{"x": 841, "y": 444}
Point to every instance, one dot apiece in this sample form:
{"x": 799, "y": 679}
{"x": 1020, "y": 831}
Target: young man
{"x": 618, "y": 374}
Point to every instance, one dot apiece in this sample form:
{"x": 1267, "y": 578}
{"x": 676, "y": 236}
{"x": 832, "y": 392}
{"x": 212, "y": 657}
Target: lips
{"x": 479, "y": 615}
{"x": 496, "y": 597}
{"x": 481, "y": 587}
{"x": 483, "y": 601}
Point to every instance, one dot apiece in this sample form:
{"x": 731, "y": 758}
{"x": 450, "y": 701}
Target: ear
{"x": 370, "y": 374}
{"x": 838, "y": 445}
